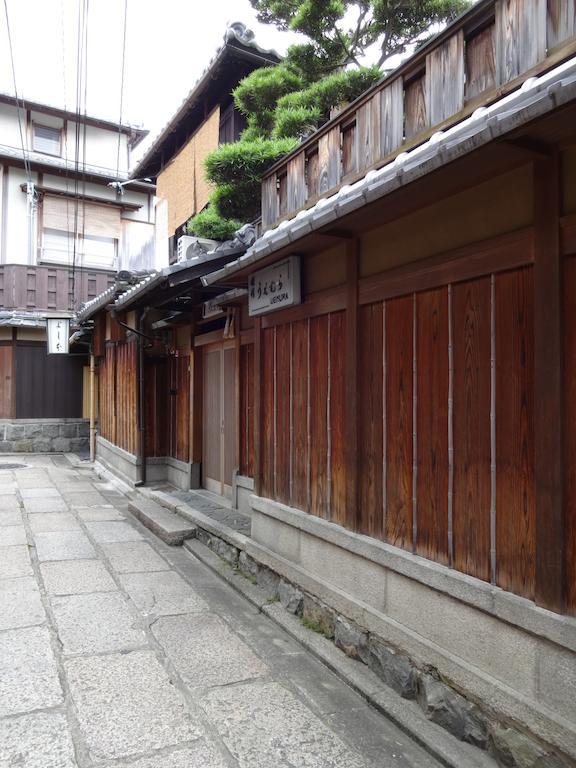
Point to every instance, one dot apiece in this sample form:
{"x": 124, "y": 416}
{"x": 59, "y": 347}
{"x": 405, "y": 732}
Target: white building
{"x": 69, "y": 221}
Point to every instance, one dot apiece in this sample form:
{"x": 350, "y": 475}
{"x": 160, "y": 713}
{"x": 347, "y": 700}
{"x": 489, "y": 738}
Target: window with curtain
{"x": 94, "y": 230}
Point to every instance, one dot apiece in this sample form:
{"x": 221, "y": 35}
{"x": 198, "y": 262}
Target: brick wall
{"x": 182, "y": 182}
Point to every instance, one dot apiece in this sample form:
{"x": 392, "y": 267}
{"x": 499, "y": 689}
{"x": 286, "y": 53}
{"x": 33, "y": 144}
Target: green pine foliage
{"x": 285, "y": 103}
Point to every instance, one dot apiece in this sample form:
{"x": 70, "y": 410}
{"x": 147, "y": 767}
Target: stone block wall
{"x": 44, "y": 435}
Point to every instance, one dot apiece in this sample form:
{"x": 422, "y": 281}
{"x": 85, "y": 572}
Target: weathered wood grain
{"x": 391, "y": 116}
{"x": 337, "y": 467}
{"x": 349, "y": 155}
{"x": 329, "y": 160}
{"x": 296, "y": 182}
{"x": 299, "y": 445}
{"x": 520, "y": 36}
{"x": 445, "y": 79}
{"x": 561, "y": 22}
{"x": 570, "y": 427}
{"x": 312, "y": 174}
{"x": 6, "y": 381}
{"x": 415, "y": 108}
{"x": 268, "y": 414}
{"x": 515, "y": 514}
{"x": 481, "y": 62}
{"x": 370, "y": 420}
{"x": 399, "y": 423}
{"x": 432, "y": 424}
{"x": 368, "y": 133}
{"x": 247, "y": 410}
{"x": 269, "y": 201}
{"x": 282, "y": 485}
{"x": 471, "y": 308}
{"x": 319, "y": 416}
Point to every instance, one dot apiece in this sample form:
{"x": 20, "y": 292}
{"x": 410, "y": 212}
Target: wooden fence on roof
{"x": 493, "y": 48}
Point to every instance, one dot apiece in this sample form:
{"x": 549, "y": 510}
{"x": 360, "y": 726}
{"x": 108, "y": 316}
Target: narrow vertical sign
{"x": 58, "y": 335}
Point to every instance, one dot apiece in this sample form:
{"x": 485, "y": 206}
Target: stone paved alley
{"x": 117, "y": 650}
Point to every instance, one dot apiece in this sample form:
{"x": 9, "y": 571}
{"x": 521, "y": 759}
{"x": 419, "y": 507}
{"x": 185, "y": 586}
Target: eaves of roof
{"x": 536, "y": 97}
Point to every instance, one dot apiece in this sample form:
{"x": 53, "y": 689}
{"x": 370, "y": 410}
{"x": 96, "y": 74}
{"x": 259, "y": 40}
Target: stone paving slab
{"x": 40, "y": 493}
{"x": 12, "y": 535}
{"x": 199, "y": 755}
{"x": 84, "y": 498}
{"x": 28, "y": 674}
{"x": 63, "y": 545}
{"x": 15, "y": 561}
{"x": 48, "y": 522}
{"x": 96, "y": 623}
{"x": 9, "y": 503}
{"x": 265, "y": 725}
{"x": 162, "y": 593}
{"x": 126, "y": 705}
{"x": 74, "y": 577}
{"x": 109, "y": 532}
{"x": 41, "y": 740}
{"x": 7, "y": 489}
{"x": 167, "y": 525}
{"x": 97, "y": 514}
{"x": 205, "y": 651}
{"x": 134, "y": 557}
{"x": 45, "y": 505}
{"x": 20, "y": 603}
{"x": 12, "y": 517}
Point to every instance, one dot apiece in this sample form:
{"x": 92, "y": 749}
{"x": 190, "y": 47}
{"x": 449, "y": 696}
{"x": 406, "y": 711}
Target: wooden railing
{"x": 488, "y": 52}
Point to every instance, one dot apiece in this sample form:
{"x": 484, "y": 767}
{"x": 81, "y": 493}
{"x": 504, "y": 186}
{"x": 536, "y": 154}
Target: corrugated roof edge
{"x": 535, "y": 97}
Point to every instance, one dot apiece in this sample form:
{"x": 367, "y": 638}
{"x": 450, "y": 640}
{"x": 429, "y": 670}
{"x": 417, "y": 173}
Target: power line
{"x": 122, "y": 88}
{"x": 19, "y": 106}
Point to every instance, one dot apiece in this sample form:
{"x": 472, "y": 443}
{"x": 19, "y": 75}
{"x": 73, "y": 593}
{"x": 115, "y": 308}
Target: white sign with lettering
{"x": 58, "y": 335}
{"x": 275, "y": 287}
{"x": 212, "y": 309}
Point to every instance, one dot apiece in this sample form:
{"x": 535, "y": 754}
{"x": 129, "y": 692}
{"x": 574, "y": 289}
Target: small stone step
{"x": 167, "y": 525}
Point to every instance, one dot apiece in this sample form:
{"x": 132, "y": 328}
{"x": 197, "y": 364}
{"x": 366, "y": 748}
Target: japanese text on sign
{"x": 58, "y": 335}
{"x": 275, "y": 287}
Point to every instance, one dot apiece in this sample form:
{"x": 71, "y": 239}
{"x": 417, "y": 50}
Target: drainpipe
{"x": 92, "y": 408}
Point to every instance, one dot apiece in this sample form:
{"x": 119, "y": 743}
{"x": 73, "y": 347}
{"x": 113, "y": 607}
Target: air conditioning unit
{"x": 189, "y": 248}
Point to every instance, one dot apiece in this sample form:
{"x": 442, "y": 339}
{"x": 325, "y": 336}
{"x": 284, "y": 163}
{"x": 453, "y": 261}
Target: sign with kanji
{"x": 58, "y": 335}
{"x": 275, "y": 287}
{"x": 211, "y": 309}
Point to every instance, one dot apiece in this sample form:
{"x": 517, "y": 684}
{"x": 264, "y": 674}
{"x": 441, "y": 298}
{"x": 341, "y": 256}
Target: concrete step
{"x": 167, "y": 525}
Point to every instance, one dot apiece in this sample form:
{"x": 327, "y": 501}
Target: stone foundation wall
{"x": 44, "y": 435}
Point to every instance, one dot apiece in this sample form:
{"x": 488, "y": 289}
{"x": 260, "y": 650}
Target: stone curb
{"x": 405, "y": 714}
{"x": 167, "y": 525}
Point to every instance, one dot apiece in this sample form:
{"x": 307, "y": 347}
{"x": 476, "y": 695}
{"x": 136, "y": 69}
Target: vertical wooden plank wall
{"x": 6, "y": 380}
{"x": 570, "y": 427}
{"x": 247, "y": 410}
{"x": 118, "y": 374}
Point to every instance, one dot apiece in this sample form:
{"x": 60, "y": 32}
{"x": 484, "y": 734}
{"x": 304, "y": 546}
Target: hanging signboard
{"x": 211, "y": 309}
{"x": 58, "y": 335}
{"x": 275, "y": 287}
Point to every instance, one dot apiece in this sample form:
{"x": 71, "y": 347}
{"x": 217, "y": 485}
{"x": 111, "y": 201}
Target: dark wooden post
{"x": 351, "y": 389}
{"x": 257, "y": 406}
{"x": 549, "y": 387}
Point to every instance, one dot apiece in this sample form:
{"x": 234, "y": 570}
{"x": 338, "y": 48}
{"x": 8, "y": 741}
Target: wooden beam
{"x": 549, "y": 387}
{"x": 351, "y": 386}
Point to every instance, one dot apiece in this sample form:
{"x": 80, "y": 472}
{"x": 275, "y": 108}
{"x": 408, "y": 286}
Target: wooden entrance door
{"x": 219, "y": 418}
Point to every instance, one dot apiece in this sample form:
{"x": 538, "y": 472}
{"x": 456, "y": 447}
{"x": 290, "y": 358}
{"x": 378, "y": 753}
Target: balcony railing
{"x": 488, "y": 52}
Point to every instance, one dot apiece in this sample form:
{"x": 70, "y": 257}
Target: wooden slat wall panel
{"x": 268, "y": 408}
{"x": 445, "y": 79}
{"x": 570, "y": 428}
{"x": 283, "y": 371}
{"x": 481, "y": 62}
{"x": 180, "y": 408}
{"x": 155, "y": 413}
{"x": 338, "y": 512}
{"x": 247, "y": 410}
{"x": 212, "y": 414}
{"x": 269, "y": 201}
{"x": 349, "y": 142}
{"x": 391, "y": 117}
{"x": 415, "y": 111}
{"x": 561, "y": 21}
{"x": 319, "y": 416}
{"x": 368, "y": 133}
{"x": 520, "y": 36}
{"x": 471, "y": 324}
{"x": 312, "y": 175}
{"x": 300, "y": 448}
{"x": 329, "y": 160}
{"x": 515, "y": 514}
{"x": 6, "y": 382}
{"x": 296, "y": 182}
{"x": 126, "y": 432}
{"x": 399, "y": 420}
{"x": 432, "y": 424}
{"x": 370, "y": 420}
{"x": 229, "y": 384}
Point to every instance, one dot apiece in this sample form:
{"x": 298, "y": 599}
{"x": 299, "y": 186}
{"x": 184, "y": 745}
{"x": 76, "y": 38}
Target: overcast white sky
{"x": 169, "y": 43}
